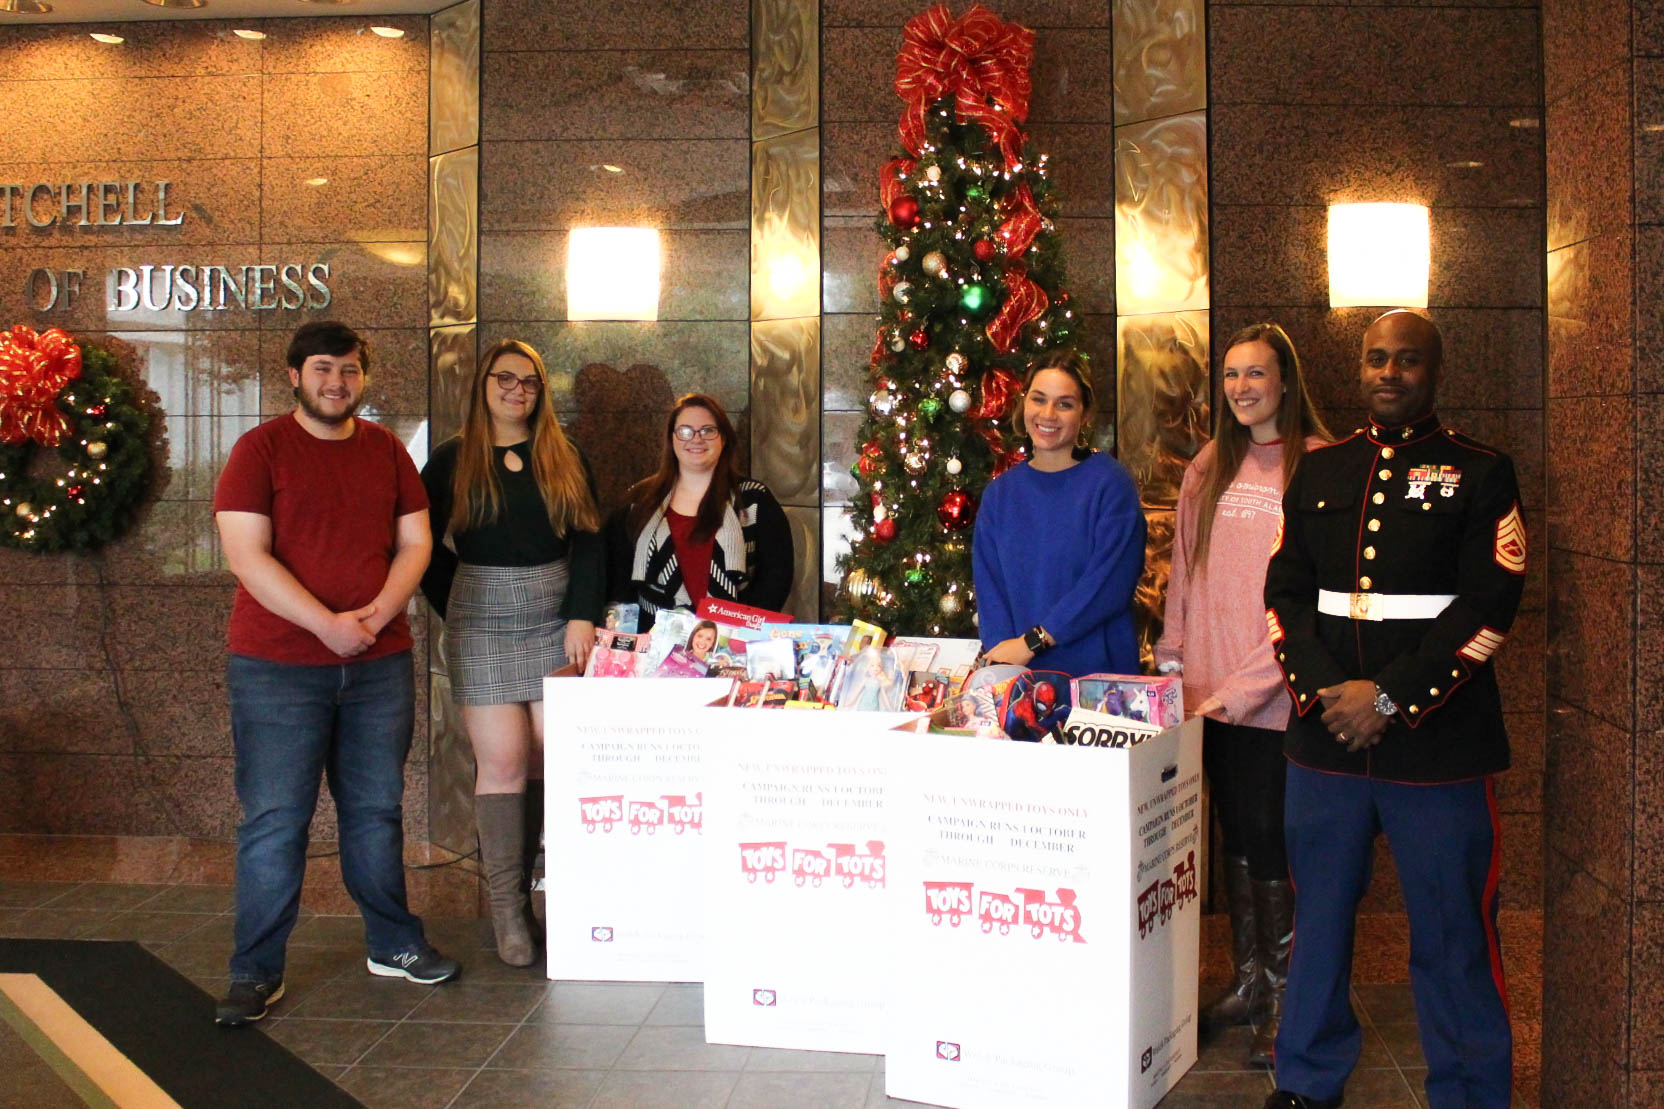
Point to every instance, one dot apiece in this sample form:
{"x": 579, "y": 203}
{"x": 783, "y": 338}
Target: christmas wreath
{"x": 72, "y": 397}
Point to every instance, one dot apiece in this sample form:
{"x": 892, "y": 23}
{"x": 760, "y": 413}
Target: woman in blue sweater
{"x": 1059, "y": 542}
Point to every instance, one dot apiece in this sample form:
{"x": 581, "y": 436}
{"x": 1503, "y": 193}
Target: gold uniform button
{"x": 1375, "y": 525}
{"x": 1405, "y": 434}
{"x": 1369, "y": 552}
{"x": 1302, "y": 696}
{"x": 1380, "y": 498}
{"x": 1434, "y": 691}
{"x": 1384, "y": 475}
{"x": 1426, "y": 506}
{"x": 1364, "y": 583}
{"x": 1455, "y": 673}
{"x": 1281, "y": 657}
{"x": 1294, "y": 677}
{"x": 1387, "y": 452}
{"x": 1320, "y": 504}
{"x": 1414, "y": 709}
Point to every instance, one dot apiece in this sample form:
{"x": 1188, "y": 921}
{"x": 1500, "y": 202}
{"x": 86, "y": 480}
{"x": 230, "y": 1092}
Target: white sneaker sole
{"x": 387, "y": 970}
{"x": 261, "y": 1015}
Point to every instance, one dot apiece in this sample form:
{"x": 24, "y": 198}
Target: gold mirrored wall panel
{"x": 1163, "y": 412}
{"x": 452, "y": 353}
{"x": 453, "y": 237}
{"x": 1161, "y": 215}
{"x": 450, "y": 762}
{"x": 454, "y": 78}
{"x": 804, "y": 601}
{"x": 1161, "y": 63}
{"x": 785, "y": 226}
{"x": 785, "y": 407}
{"x": 785, "y": 63}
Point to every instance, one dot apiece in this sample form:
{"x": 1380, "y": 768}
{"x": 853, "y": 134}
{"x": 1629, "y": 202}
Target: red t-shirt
{"x": 334, "y": 506}
{"x": 694, "y": 558}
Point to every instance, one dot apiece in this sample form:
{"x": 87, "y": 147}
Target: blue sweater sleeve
{"x": 995, "y": 622}
{"x": 1114, "y": 533}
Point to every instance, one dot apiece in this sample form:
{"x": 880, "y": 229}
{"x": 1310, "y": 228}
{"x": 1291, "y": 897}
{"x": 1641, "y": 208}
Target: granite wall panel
{"x": 512, "y": 25}
{"x": 237, "y": 128}
{"x": 544, "y": 185}
{"x": 523, "y": 275}
{"x": 616, "y": 94}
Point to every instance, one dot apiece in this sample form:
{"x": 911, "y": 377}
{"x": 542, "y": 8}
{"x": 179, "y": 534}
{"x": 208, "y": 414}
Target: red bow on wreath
{"x": 33, "y": 370}
{"x": 978, "y": 60}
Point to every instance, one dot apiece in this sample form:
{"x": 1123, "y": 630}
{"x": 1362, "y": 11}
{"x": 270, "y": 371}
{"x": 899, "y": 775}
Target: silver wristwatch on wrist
{"x": 1383, "y": 703}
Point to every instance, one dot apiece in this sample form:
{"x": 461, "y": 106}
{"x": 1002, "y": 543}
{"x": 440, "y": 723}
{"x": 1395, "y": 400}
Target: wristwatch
{"x": 1036, "y": 639}
{"x": 1383, "y": 703}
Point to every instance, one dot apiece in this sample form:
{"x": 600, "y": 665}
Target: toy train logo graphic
{"x": 951, "y": 902}
{"x": 766, "y": 999}
{"x": 675, "y": 811}
{"x": 947, "y": 1051}
{"x": 847, "y": 864}
{"x": 1163, "y": 897}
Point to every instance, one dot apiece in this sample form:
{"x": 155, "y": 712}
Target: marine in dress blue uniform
{"x": 1395, "y": 581}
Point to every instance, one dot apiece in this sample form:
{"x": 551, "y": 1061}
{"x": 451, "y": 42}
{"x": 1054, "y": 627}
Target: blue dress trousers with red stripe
{"x": 1418, "y": 510}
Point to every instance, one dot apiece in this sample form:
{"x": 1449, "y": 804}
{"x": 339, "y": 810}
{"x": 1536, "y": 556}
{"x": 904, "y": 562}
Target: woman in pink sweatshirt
{"x": 1228, "y": 522}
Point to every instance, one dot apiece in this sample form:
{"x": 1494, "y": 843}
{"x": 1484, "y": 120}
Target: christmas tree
{"x": 972, "y": 292}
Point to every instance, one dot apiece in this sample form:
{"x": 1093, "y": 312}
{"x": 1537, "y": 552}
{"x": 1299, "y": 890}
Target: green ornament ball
{"x": 975, "y": 192}
{"x": 914, "y": 576}
{"x": 974, "y": 299}
{"x": 930, "y": 407}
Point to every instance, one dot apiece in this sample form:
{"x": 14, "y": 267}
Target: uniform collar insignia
{"x": 1384, "y": 436}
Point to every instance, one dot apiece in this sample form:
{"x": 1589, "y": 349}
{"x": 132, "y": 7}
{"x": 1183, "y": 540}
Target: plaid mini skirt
{"x": 504, "y": 632}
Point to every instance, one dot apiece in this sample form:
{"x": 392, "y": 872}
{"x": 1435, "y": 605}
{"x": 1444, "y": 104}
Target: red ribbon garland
{"x": 1022, "y": 220}
{"x": 34, "y": 368}
{"x": 889, "y": 180}
{"x": 980, "y": 61}
{"x": 1024, "y": 301}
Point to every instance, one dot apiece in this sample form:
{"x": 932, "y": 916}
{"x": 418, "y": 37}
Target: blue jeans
{"x": 292, "y": 725}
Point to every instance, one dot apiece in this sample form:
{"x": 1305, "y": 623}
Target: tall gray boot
{"x": 501, "y": 821}
{"x": 1238, "y": 1003}
{"x": 1274, "y": 926}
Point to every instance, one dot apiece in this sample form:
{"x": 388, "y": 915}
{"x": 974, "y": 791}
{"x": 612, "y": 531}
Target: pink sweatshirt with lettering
{"x": 1215, "y": 617}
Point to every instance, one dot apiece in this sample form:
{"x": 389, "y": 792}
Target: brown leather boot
{"x": 1238, "y": 1004}
{"x": 500, "y": 818}
{"x": 1274, "y": 926}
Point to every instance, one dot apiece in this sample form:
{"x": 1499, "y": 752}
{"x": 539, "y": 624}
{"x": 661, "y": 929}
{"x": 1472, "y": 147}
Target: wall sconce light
{"x": 612, "y": 273}
{"x": 1378, "y": 255}
{"x": 785, "y": 272}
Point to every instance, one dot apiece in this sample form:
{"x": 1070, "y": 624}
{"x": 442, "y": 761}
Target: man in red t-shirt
{"x": 323, "y": 519}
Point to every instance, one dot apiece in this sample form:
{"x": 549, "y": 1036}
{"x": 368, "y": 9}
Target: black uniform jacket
{"x": 1420, "y": 509}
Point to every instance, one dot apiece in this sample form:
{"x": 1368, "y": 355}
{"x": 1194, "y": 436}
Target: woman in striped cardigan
{"x": 696, "y": 527}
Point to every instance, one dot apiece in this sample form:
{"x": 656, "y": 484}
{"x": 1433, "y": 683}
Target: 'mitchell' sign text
{"x": 149, "y": 286}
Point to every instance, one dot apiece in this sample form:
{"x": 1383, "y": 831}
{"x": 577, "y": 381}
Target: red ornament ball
{"x": 872, "y": 448}
{"x": 885, "y": 530}
{"x": 957, "y": 510}
{"x": 984, "y": 250}
{"x": 920, "y": 338}
{"x": 904, "y": 212}
{"x": 866, "y": 465}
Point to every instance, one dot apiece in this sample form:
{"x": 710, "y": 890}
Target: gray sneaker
{"x": 246, "y": 1002}
{"x": 419, "y": 964}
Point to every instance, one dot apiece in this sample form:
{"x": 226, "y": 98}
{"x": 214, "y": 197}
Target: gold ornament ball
{"x": 951, "y": 604}
{"x": 97, "y": 450}
{"x": 24, "y": 508}
{"x": 957, "y": 362}
{"x": 934, "y": 263}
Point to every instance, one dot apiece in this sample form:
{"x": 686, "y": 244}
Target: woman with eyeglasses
{"x": 520, "y": 596}
{"x": 697, "y": 527}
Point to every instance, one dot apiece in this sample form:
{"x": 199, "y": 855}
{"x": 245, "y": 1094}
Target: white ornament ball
{"x": 97, "y": 450}
{"x": 954, "y": 465}
{"x": 957, "y": 363}
{"x": 898, "y": 344}
{"x": 959, "y": 401}
{"x": 933, "y": 173}
{"x": 951, "y": 604}
{"x": 901, "y": 253}
{"x": 902, "y": 292}
{"x": 879, "y": 513}
{"x": 883, "y": 402}
{"x": 915, "y": 463}
{"x": 935, "y": 263}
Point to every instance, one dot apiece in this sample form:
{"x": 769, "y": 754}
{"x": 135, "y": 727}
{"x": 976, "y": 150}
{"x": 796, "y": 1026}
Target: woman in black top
{"x": 520, "y": 596}
{"x": 697, "y": 527}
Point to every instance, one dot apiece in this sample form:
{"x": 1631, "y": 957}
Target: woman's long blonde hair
{"x": 478, "y": 495}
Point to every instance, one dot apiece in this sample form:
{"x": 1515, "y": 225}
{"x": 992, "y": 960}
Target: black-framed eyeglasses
{"x": 508, "y": 382}
{"x": 687, "y": 433}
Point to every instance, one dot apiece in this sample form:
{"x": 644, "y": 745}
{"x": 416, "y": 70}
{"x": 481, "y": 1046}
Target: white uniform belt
{"x": 1383, "y": 606}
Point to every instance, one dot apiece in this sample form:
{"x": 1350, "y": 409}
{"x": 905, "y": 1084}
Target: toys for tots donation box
{"x": 1045, "y": 928}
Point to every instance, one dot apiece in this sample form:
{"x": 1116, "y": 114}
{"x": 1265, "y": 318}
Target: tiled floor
{"x": 502, "y": 1037}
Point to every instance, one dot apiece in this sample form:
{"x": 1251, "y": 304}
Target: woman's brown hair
{"x": 1073, "y": 363}
{"x": 1297, "y": 420}
{"x": 559, "y": 473}
{"x": 647, "y": 495}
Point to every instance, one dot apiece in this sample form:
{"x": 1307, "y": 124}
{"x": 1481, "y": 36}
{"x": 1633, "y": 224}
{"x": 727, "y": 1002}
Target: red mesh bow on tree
{"x": 980, "y": 61}
{"x": 33, "y": 371}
